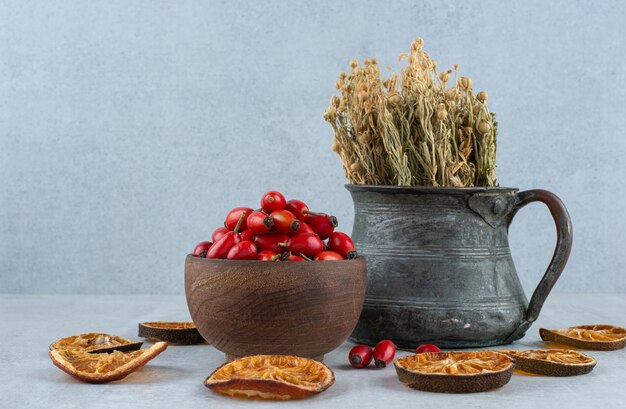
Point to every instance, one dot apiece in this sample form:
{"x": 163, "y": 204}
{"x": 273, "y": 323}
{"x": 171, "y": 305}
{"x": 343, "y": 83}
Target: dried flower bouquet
{"x": 412, "y": 129}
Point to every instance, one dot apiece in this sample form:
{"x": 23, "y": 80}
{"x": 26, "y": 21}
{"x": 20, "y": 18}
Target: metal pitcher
{"x": 439, "y": 264}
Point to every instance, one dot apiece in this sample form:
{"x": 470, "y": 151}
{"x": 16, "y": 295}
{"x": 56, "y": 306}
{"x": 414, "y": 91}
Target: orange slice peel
{"x": 95, "y": 342}
{"x": 277, "y": 377}
{"x": 103, "y": 367}
{"x": 552, "y": 362}
{"x": 184, "y": 333}
{"x": 455, "y": 372}
{"x": 595, "y": 337}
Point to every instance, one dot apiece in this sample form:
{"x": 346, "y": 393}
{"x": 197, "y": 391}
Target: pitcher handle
{"x": 559, "y": 258}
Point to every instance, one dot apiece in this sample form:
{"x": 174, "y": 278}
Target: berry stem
{"x": 239, "y": 222}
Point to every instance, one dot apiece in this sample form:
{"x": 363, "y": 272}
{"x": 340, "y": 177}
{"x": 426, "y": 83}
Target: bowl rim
{"x": 223, "y": 260}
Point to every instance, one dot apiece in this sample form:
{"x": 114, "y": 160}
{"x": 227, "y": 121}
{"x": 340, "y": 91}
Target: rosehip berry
{"x": 285, "y": 222}
{"x": 360, "y": 356}
{"x": 245, "y": 250}
{"x": 267, "y": 255}
{"x": 233, "y": 217}
{"x": 273, "y": 200}
{"x": 292, "y": 257}
{"x": 305, "y": 228}
{"x": 342, "y": 244}
{"x": 259, "y": 222}
{"x": 322, "y": 224}
{"x": 328, "y": 255}
{"x": 298, "y": 207}
{"x": 247, "y": 235}
{"x": 384, "y": 353}
{"x": 221, "y": 248}
{"x": 427, "y": 348}
{"x": 218, "y": 234}
{"x": 308, "y": 244}
{"x": 269, "y": 241}
{"x": 201, "y": 249}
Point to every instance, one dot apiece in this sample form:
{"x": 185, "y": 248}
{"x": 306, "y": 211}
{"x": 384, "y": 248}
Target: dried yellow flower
{"x": 394, "y": 99}
{"x": 466, "y": 83}
{"x": 356, "y": 167}
{"x": 482, "y": 96}
{"x": 365, "y": 138}
{"x": 483, "y": 127}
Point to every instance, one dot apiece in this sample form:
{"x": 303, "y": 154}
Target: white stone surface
{"x": 174, "y": 379}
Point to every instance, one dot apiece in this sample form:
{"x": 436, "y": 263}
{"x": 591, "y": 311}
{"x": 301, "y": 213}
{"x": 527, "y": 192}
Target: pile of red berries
{"x": 279, "y": 230}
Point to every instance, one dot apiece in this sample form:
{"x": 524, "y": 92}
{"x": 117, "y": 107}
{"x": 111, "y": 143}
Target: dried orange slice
{"x": 598, "y": 337}
{"x": 455, "y": 372}
{"x": 103, "y": 367}
{"x": 271, "y": 377}
{"x": 96, "y": 343}
{"x": 174, "y": 332}
{"x": 552, "y": 362}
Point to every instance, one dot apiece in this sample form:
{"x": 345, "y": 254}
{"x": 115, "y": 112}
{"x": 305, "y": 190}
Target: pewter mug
{"x": 439, "y": 265}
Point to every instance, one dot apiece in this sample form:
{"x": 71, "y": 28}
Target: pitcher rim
{"x": 428, "y": 189}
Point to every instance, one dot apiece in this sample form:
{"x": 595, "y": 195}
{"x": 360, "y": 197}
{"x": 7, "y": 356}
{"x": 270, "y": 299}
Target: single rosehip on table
{"x": 384, "y": 352}
{"x": 360, "y": 356}
{"x": 427, "y": 348}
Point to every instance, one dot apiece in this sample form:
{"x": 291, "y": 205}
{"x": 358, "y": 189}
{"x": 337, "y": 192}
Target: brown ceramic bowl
{"x": 303, "y": 308}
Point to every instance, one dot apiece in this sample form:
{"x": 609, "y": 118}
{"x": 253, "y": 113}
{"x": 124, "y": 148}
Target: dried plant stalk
{"x": 412, "y": 129}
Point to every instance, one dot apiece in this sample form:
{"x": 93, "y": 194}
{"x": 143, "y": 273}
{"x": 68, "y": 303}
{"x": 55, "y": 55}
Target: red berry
{"x": 259, "y": 222}
{"x": 285, "y": 222}
{"x": 305, "y": 228}
{"x": 267, "y": 255}
{"x": 269, "y": 241}
{"x": 329, "y": 255}
{"x": 218, "y": 234}
{"x": 245, "y": 250}
{"x": 308, "y": 244}
{"x": 297, "y": 207}
{"x": 342, "y": 244}
{"x": 292, "y": 257}
{"x": 273, "y": 200}
{"x": 233, "y": 218}
{"x": 201, "y": 249}
{"x": 247, "y": 235}
{"x": 223, "y": 246}
{"x": 427, "y": 348}
{"x": 360, "y": 356}
{"x": 384, "y": 352}
{"x": 322, "y": 224}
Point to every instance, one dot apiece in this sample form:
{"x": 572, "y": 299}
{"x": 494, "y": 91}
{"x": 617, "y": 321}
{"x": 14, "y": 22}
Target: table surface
{"x": 175, "y": 378}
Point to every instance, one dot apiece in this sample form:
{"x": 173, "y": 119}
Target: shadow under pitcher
{"x": 439, "y": 265}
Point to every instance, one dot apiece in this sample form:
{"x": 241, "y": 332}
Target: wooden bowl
{"x": 302, "y": 308}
